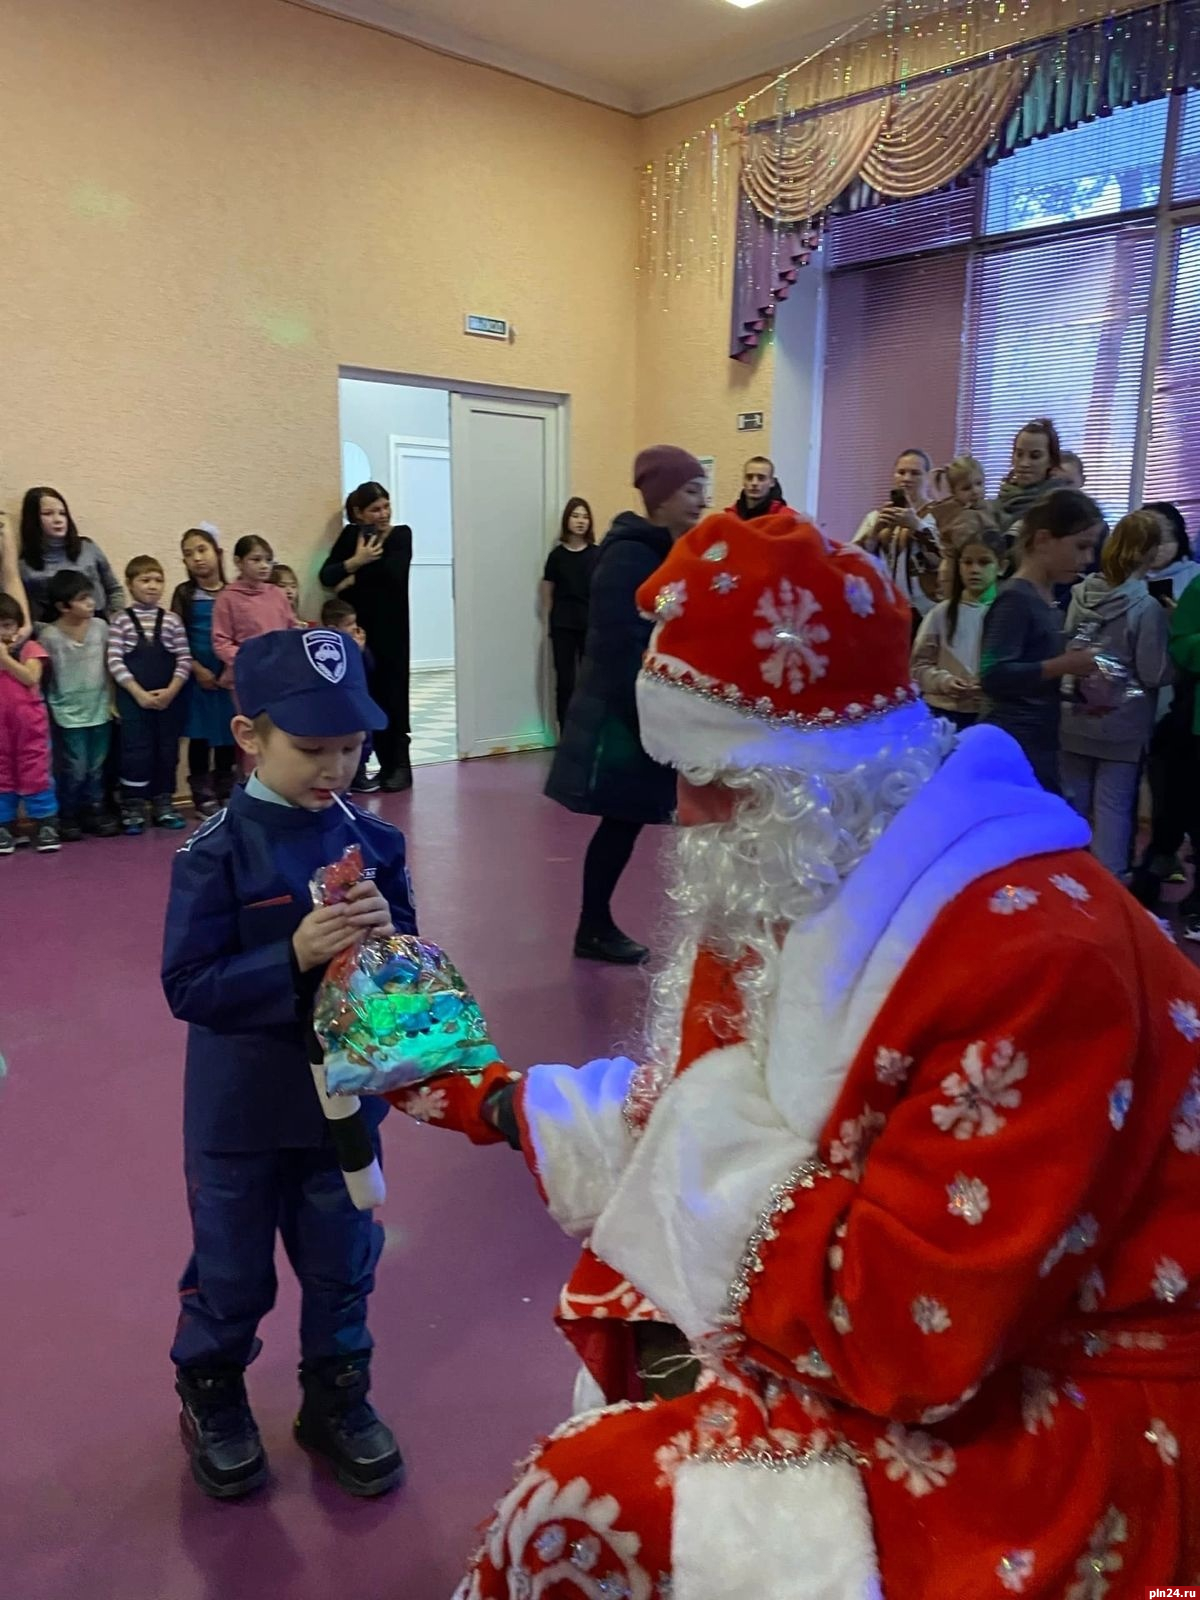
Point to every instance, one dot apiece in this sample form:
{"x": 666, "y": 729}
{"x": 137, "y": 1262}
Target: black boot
{"x": 398, "y": 779}
{"x": 219, "y": 1431}
{"x": 338, "y": 1422}
{"x": 610, "y": 945}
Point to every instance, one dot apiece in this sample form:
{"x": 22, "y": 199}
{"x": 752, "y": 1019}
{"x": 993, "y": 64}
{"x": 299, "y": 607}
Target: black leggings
{"x": 200, "y": 752}
{"x": 567, "y": 647}
{"x": 607, "y": 857}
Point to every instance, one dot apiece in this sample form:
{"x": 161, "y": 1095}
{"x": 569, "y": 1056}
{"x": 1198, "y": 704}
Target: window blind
{"x": 1058, "y": 329}
{"x": 1187, "y": 159}
{"x": 893, "y": 351}
{"x": 930, "y": 222}
{"x": 1173, "y": 456}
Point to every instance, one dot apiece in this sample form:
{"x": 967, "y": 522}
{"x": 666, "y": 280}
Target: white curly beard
{"x": 738, "y": 886}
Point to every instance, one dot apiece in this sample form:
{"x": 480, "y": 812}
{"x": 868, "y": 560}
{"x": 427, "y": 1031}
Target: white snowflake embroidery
{"x": 1186, "y": 1019}
{"x": 425, "y": 1104}
{"x": 930, "y": 1315}
{"x": 1012, "y": 898}
{"x": 725, "y": 582}
{"x": 790, "y": 637}
{"x": 1091, "y": 1291}
{"x": 839, "y": 1316}
{"x": 1164, "y": 1441}
{"x": 1185, "y": 1130}
{"x": 1015, "y": 1570}
{"x": 836, "y": 1257}
{"x": 859, "y": 597}
{"x": 848, "y": 1152}
{"x": 1076, "y": 1240}
{"x": 813, "y": 1365}
{"x": 1071, "y": 887}
{"x": 669, "y": 601}
{"x": 892, "y": 1066}
{"x": 1038, "y": 1399}
{"x": 936, "y": 1414}
{"x": 1169, "y": 1281}
{"x": 1120, "y": 1098}
{"x": 977, "y": 1093}
{"x": 1100, "y": 1558}
{"x": 915, "y": 1459}
{"x": 716, "y": 552}
{"x": 551, "y": 1543}
{"x": 969, "y": 1199}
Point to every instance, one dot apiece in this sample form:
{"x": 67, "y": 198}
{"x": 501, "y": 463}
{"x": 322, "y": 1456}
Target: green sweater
{"x": 1185, "y": 639}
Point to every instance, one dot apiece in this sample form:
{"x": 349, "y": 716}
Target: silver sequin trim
{"x": 763, "y": 709}
{"x": 779, "y": 1203}
{"x": 786, "y": 1461}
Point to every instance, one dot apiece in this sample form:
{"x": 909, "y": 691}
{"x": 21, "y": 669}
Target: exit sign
{"x": 750, "y": 421}
{"x": 488, "y": 327}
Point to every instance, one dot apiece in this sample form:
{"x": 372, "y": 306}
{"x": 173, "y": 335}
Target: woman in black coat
{"x": 600, "y": 768}
{"x": 369, "y": 565}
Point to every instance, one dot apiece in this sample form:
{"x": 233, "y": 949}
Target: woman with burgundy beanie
{"x": 600, "y": 768}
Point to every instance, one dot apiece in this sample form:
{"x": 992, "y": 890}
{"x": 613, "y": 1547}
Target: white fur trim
{"x": 981, "y": 811}
{"x": 681, "y": 726}
{"x": 728, "y": 1131}
{"x": 580, "y": 1138}
{"x": 746, "y": 1532}
{"x": 678, "y": 1222}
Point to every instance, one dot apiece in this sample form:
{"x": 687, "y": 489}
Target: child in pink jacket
{"x": 251, "y": 604}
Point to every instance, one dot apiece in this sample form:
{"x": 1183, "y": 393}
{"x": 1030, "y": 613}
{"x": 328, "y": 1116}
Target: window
{"x": 1099, "y": 169}
{"x": 930, "y": 222}
{"x": 1058, "y": 329}
{"x": 1187, "y": 162}
{"x": 1173, "y": 458}
{"x": 892, "y": 350}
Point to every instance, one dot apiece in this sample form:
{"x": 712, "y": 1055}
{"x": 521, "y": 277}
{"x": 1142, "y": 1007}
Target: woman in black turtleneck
{"x": 377, "y": 558}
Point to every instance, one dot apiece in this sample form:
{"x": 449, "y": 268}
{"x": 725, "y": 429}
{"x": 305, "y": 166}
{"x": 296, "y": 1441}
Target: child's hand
{"x": 369, "y": 913}
{"x": 205, "y": 678}
{"x": 324, "y": 933}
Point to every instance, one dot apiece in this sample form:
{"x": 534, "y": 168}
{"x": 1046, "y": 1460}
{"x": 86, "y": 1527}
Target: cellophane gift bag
{"x": 392, "y": 1011}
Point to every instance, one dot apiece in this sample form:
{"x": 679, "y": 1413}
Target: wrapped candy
{"x": 1110, "y": 684}
{"x": 392, "y": 1011}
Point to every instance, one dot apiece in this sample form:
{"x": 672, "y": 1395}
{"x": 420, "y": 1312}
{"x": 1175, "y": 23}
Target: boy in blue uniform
{"x": 244, "y": 951}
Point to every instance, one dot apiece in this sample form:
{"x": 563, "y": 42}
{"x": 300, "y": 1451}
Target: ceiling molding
{"x": 726, "y": 73}
{"x": 456, "y": 42}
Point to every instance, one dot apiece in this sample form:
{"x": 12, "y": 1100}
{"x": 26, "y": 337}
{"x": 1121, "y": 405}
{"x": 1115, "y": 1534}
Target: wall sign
{"x": 709, "y": 463}
{"x": 489, "y": 328}
{"x": 750, "y": 421}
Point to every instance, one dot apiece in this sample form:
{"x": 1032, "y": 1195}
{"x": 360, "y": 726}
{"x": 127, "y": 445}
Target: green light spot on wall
{"x": 94, "y": 201}
{"x": 288, "y": 329}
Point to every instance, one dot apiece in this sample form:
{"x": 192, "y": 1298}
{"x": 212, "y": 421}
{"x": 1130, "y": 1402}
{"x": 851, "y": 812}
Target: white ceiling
{"x": 635, "y": 55}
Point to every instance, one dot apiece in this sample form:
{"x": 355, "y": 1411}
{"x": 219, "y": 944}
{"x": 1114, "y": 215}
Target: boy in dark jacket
{"x": 244, "y": 952}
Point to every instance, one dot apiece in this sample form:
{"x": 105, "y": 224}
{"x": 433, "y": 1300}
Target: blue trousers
{"x": 238, "y": 1203}
{"x": 80, "y": 754}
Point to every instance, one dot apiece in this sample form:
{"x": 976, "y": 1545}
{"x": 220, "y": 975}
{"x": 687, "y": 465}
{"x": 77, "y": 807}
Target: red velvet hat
{"x": 774, "y": 646}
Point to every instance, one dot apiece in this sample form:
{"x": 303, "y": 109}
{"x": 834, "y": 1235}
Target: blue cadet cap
{"x": 310, "y": 682}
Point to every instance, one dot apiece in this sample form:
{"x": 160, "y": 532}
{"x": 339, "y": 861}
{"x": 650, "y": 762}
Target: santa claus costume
{"x": 914, "y": 1162}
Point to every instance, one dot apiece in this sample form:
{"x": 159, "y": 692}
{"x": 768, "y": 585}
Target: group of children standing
{"x": 1073, "y": 639}
{"x": 167, "y": 674}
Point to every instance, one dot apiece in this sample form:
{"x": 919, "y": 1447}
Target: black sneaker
{"x": 1191, "y": 928}
{"x": 133, "y": 818}
{"x": 364, "y": 783}
{"x": 219, "y": 1431}
{"x": 614, "y": 947}
{"x": 338, "y": 1422}
{"x": 70, "y": 830}
{"x": 101, "y": 823}
{"x": 8, "y": 842}
{"x": 398, "y": 779}
{"x": 166, "y": 816}
{"x": 46, "y": 836}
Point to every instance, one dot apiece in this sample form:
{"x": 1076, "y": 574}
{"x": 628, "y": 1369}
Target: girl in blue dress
{"x": 211, "y": 750}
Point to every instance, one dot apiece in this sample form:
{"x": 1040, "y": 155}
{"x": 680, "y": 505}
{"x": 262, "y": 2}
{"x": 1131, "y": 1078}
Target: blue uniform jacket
{"x": 239, "y": 889}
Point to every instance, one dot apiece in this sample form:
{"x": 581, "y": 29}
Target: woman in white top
{"x": 945, "y": 659}
{"x": 905, "y": 535}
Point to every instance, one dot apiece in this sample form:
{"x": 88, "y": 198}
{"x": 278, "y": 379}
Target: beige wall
{"x": 689, "y": 390}
{"x": 211, "y": 204}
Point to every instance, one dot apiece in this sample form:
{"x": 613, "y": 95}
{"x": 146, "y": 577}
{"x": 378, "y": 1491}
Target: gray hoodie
{"x": 1130, "y": 625}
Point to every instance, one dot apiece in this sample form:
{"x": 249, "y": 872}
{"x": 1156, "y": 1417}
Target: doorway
{"x": 479, "y": 475}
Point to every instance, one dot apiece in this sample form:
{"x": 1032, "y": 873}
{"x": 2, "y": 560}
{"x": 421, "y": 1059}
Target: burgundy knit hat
{"x": 662, "y": 470}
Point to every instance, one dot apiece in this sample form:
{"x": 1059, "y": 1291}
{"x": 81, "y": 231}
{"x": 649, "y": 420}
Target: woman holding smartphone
{"x": 905, "y": 535}
{"x": 370, "y": 565}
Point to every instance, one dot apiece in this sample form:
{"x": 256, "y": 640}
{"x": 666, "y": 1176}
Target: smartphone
{"x": 1162, "y": 589}
{"x": 899, "y": 499}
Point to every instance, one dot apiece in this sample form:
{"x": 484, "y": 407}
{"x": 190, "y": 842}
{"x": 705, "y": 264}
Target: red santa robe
{"x": 940, "y": 1249}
